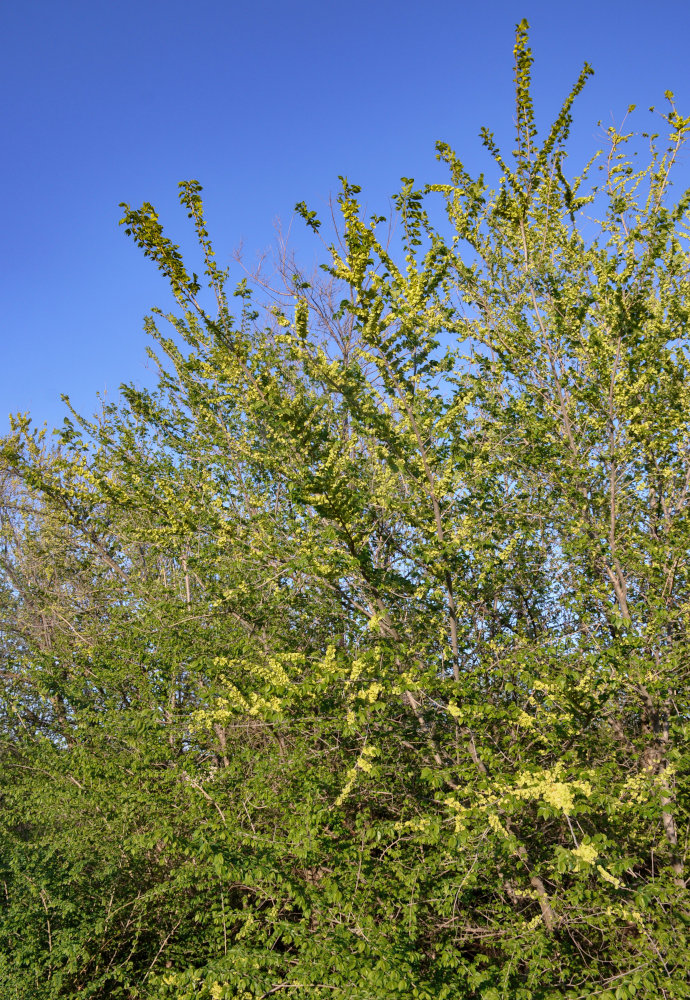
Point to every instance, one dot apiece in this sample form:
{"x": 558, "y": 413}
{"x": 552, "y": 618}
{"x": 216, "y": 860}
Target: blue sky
{"x": 265, "y": 104}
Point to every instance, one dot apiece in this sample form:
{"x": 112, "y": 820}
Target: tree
{"x": 368, "y": 663}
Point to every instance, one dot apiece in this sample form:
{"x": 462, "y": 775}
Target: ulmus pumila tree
{"x": 367, "y": 650}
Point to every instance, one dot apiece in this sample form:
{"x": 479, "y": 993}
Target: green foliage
{"x": 353, "y": 660}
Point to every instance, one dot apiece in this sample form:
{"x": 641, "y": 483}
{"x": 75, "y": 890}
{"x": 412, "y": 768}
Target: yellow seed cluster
{"x": 371, "y": 693}
{"x": 608, "y": 877}
{"x": 548, "y": 787}
{"x": 363, "y": 763}
{"x": 525, "y": 720}
{"x": 496, "y": 825}
{"x": 587, "y": 853}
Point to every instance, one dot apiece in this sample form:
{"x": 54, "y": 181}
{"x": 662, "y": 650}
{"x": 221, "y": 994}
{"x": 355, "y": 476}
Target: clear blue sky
{"x": 265, "y": 103}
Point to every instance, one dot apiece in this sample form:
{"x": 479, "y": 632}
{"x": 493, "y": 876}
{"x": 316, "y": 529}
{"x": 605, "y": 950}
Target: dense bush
{"x": 353, "y": 660}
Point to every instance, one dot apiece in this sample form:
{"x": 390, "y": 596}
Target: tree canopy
{"x": 353, "y": 660}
